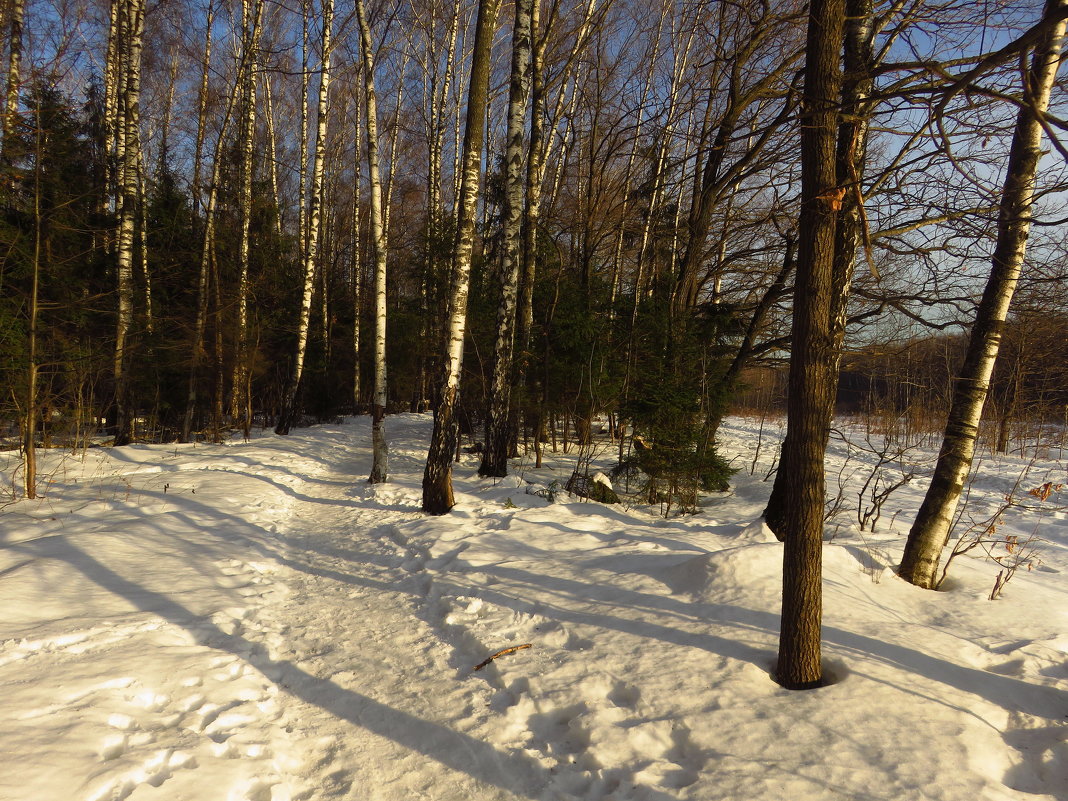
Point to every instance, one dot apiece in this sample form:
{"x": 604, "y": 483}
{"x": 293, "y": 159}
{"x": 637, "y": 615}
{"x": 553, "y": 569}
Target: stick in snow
{"x": 503, "y": 652}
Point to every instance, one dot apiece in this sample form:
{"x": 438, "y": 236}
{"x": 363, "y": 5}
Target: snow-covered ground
{"x": 254, "y": 622}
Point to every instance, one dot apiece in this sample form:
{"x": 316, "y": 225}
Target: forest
{"x": 541, "y": 220}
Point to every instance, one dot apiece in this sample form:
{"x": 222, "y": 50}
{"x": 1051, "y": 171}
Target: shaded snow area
{"x": 253, "y": 622}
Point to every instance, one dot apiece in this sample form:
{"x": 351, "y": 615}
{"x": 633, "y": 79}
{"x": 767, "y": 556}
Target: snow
{"x": 253, "y": 622}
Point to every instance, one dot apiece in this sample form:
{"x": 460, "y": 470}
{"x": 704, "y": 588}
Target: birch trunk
{"x": 142, "y": 238}
{"x": 499, "y": 439}
{"x": 202, "y": 279}
{"x": 272, "y": 154}
{"x": 220, "y": 376}
{"x": 394, "y": 137}
{"x": 129, "y": 123}
{"x": 532, "y": 207}
{"x": 379, "y": 448}
{"x": 457, "y": 131}
{"x": 288, "y": 412}
{"x": 439, "y": 93}
{"x": 357, "y": 267}
{"x": 240, "y": 410}
{"x": 29, "y": 430}
{"x": 16, "y": 13}
{"x": 302, "y": 204}
{"x": 934, "y": 520}
{"x": 437, "y": 477}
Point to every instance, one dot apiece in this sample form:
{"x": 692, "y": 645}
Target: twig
{"x": 503, "y": 652}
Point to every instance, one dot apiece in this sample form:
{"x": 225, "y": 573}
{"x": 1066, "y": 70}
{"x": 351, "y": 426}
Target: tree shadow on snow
{"x": 512, "y": 772}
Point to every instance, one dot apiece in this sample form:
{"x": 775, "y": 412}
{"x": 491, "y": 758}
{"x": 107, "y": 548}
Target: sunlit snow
{"x": 254, "y": 622}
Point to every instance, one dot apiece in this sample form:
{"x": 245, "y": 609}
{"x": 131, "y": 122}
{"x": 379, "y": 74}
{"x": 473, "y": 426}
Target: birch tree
{"x": 201, "y": 314}
{"x": 251, "y": 13}
{"x": 29, "y": 425}
{"x": 15, "y": 17}
{"x": 131, "y": 19}
{"x": 288, "y": 410}
{"x": 931, "y": 529}
{"x": 357, "y": 264}
{"x": 437, "y": 477}
{"x": 495, "y": 456}
{"x": 535, "y": 174}
{"x": 208, "y": 272}
{"x": 379, "y": 447}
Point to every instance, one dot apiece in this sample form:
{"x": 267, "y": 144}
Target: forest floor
{"x": 254, "y": 622}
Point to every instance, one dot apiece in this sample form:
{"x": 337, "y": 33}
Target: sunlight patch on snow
{"x": 254, "y": 622}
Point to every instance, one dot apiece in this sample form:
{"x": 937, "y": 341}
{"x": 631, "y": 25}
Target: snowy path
{"x": 256, "y": 623}
{"x": 296, "y": 670}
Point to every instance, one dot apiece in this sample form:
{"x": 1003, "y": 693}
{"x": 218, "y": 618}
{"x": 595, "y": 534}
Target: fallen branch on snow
{"x": 503, "y": 652}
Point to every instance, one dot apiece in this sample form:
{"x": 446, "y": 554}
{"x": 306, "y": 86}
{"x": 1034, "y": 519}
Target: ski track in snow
{"x": 313, "y": 637}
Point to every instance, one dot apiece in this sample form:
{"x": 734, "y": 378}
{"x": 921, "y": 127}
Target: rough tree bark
{"x": 851, "y": 156}
{"x": 931, "y": 529}
{"x": 799, "y": 664}
{"x": 437, "y": 477}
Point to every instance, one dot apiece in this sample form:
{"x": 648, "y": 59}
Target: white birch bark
{"x": 934, "y": 520}
{"x": 142, "y": 237}
{"x": 302, "y": 203}
{"x": 379, "y": 447}
{"x": 437, "y": 93}
{"x": 495, "y": 455}
{"x": 251, "y": 14}
{"x": 14, "y": 21}
{"x": 394, "y": 138}
{"x": 680, "y": 64}
{"x": 357, "y": 265}
{"x": 272, "y": 153}
{"x": 129, "y": 123}
{"x": 458, "y": 125}
{"x": 288, "y": 410}
{"x": 437, "y": 477}
{"x": 532, "y": 201}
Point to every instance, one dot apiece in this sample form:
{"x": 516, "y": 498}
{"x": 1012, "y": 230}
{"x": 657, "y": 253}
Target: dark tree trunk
{"x": 850, "y": 156}
{"x": 811, "y": 360}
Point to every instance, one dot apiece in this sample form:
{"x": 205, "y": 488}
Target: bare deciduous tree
{"x": 931, "y": 529}
{"x": 437, "y": 477}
